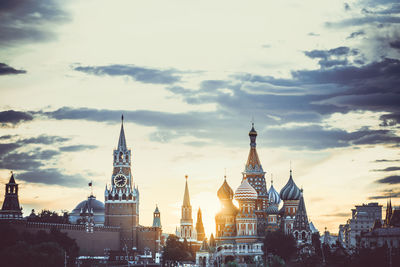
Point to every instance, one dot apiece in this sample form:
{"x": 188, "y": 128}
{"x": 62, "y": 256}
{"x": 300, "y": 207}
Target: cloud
{"x": 387, "y": 160}
{"x": 11, "y": 118}
{"x": 355, "y": 34}
{"x": 338, "y": 214}
{"x": 388, "y": 193}
{"x": 388, "y": 169}
{"x": 393, "y": 179}
{"x": 395, "y": 44}
{"x": 7, "y": 70}
{"x": 31, "y": 157}
{"x": 53, "y": 176}
{"x": 390, "y": 119}
{"x": 75, "y": 148}
{"x": 140, "y": 74}
{"x": 29, "y": 20}
{"x": 363, "y": 21}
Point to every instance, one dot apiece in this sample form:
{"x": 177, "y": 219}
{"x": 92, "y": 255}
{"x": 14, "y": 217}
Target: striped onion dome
{"x": 245, "y": 191}
{"x": 290, "y": 191}
{"x": 273, "y": 196}
{"x": 272, "y": 209}
{"x": 225, "y": 191}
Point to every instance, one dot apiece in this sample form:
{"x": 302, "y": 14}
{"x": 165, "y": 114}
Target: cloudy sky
{"x": 319, "y": 78}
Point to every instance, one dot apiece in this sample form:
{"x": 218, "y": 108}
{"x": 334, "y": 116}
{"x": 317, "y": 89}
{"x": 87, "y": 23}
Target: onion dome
{"x": 245, "y": 191}
{"x": 225, "y": 191}
{"x": 290, "y": 191}
{"x": 272, "y": 209}
{"x": 273, "y": 196}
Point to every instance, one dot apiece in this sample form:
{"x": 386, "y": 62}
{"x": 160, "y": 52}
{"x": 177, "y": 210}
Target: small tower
{"x": 186, "y": 229}
{"x": 389, "y": 212}
{"x": 246, "y": 220}
{"x": 255, "y": 176}
{"x": 156, "y": 218}
{"x": 11, "y": 208}
{"x": 225, "y": 219}
{"x": 301, "y": 227}
{"x": 199, "y": 227}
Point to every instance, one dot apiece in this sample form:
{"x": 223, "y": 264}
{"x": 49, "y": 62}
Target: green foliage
{"x": 276, "y": 261}
{"x": 35, "y": 249}
{"x": 175, "y": 250}
{"x": 280, "y": 244}
{"x": 49, "y": 216}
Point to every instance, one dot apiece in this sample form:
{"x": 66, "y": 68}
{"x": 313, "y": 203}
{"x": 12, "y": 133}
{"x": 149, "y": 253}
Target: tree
{"x": 280, "y": 244}
{"x": 35, "y": 249}
{"x": 174, "y": 250}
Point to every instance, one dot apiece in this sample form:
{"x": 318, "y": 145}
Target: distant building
{"x": 387, "y": 233}
{"x": 362, "y": 219}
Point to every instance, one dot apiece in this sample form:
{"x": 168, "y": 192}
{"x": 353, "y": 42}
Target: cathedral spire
{"x": 186, "y": 198}
{"x": 253, "y": 162}
{"x": 122, "y": 141}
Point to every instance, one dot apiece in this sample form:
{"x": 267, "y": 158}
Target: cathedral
{"x": 240, "y": 230}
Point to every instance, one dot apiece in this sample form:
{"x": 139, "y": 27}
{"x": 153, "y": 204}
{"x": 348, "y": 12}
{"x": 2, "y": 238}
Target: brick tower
{"x": 122, "y": 198}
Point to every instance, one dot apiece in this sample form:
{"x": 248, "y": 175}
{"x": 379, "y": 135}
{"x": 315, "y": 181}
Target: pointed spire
{"x": 186, "y": 198}
{"x": 253, "y": 162}
{"x": 12, "y": 180}
{"x": 122, "y": 141}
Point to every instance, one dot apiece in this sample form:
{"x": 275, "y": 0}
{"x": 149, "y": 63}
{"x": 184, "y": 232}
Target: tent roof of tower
{"x": 122, "y": 141}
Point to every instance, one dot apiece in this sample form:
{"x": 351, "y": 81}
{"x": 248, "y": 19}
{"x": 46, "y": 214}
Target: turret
{"x": 11, "y": 208}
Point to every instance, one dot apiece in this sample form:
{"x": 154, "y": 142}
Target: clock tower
{"x": 122, "y": 197}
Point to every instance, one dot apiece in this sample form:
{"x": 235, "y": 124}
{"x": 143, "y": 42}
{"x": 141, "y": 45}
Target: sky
{"x": 319, "y": 79}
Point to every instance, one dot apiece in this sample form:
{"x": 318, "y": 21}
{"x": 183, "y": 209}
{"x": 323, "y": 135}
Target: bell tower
{"x": 122, "y": 197}
{"x": 11, "y": 208}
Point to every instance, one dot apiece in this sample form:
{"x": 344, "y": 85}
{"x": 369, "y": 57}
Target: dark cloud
{"x": 10, "y": 118}
{"x": 29, "y": 20}
{"x": 141, "y": 74}
{"x": 333, "y": 57}
{"x": 356, "y": 34}
{"x": 387, "y": 193}
{"x": 387, "y": 160}
{"x": 53, "y": 176}
{"x": 390, "y": 119}
{"x": 367, "y": 20}
{"x": 313, "y": 34}
{"x": 339, "y": 51}
{"x": 315, "y": 137}
{"x": 7, "y": 70}
{"x": 338, "y": 214}
{"x": 395, "y": 44}
{"x": 393, "y": 179}
{"x": 388, "y": 169}
{"x": 75, "y": 148}
{"x": 31, "y": 157}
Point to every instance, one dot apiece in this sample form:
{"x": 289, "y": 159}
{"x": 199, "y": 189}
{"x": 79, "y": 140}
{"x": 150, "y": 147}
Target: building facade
{"x": 363, "y": 218}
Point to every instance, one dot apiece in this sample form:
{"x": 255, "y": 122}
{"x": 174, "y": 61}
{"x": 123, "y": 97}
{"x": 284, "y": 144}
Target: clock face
{"x": 120, "y": 180}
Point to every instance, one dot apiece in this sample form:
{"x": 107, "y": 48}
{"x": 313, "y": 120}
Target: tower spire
{"x": 122, "y": 140}
{"x": 186, "y": 198}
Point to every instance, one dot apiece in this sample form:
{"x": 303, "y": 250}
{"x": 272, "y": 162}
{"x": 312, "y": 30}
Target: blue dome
{"x": 93, "y": 205}
{"x": 290, "y": 191}
{"x": 273, "y": 196}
